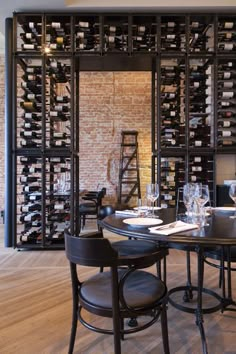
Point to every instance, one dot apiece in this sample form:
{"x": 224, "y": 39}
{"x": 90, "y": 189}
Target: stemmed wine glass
{"x": 188, "y": 196}
{"x": 202, "y": 197}
{"x": 152, "y": 193}
{"x": 232, "y": 194}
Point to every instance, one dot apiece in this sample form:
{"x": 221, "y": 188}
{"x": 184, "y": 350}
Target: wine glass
{"x": 152, "y": 194}
{"x": 188, "y": 196}
{"x": 232, "y": 194}
{"x": 202, "y": 197}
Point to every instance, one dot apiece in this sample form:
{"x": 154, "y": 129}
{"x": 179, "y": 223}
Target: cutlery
{"x": 167, "y": 226}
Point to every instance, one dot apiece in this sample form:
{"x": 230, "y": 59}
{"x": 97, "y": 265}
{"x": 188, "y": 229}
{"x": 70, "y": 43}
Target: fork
{"x": 168, "y": 226}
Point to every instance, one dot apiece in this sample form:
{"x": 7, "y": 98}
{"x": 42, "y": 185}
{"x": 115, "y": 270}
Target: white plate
{"x": 146, "y": 208}
{"x": 225, "y": 208}
{"x": 140, "y": 222}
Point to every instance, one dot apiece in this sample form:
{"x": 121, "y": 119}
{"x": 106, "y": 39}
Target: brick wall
{"x": 2, "y": 127}
{"x": 109, "y": 103}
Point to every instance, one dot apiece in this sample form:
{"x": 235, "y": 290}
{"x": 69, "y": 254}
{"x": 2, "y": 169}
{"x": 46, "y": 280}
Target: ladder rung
{"x": 128, "y": 182}
{"x": 128, "y": 144}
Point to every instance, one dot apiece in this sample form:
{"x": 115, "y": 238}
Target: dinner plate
{"x": 225, "y": 208}
{"x": 141, "y": 222}
{"x": 146, "y": 208}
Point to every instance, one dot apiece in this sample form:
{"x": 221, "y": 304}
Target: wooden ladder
{"x": 129, "y": 179}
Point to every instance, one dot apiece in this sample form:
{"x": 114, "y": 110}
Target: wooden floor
{"x": 35, "y": 310}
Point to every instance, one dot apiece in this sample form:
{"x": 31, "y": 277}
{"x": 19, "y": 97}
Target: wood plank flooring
{"x": 35, "y": 310}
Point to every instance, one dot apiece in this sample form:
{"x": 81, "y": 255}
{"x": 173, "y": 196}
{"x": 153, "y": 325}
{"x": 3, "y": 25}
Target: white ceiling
{"x": 9, "y": 6}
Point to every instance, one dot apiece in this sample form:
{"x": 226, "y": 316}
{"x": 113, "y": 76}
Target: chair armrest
{"x": 144, "y": 261}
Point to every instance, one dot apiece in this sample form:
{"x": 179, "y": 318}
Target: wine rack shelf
{"x": 193, "y": 104}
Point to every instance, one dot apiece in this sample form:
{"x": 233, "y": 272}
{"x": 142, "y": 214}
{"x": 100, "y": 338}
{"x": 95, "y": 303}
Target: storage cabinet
{"x": 193, "y": 104}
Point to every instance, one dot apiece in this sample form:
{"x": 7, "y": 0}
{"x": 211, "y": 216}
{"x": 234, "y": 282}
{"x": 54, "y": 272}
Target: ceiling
{"x": 9, "y": 6}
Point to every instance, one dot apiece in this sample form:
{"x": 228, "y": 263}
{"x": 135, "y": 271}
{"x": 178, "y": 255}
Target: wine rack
{"x": 172, "y": 112}
{"x": 226, "y": 101}
{"x": 201, "y": 109}
{"x": 115, "y": 34}
{"x": 172, "y": 178}
{"x": 201, "y": 34}
{"x": 87, "y": 34}
{"x": 226, "y": 34}
{"x": 173, "y": 33}
{"x": 144, "y": 34}
{"x": 192, "y": 59}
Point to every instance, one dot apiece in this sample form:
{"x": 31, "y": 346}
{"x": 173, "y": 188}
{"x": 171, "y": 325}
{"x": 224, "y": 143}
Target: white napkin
{"x": 127, "y": 212}
{"x": 179, "y": 226}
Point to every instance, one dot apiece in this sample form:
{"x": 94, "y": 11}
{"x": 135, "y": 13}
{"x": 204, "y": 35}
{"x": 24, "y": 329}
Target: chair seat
{"x": 142, "y": 289}
{"x": 127, "y": 248}
{"x": 215, "y": 253}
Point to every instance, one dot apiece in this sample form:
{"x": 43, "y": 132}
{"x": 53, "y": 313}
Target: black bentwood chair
{"x": 117, "y": 293}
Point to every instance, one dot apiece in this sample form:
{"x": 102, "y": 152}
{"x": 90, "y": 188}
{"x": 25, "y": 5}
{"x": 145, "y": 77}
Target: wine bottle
{"x": 58, "y": 116}
{"x": 60, "y": 169}
{"x": 28, "y": 170}
{"x": 32, "y": 236}
{"x": 230, "y": 46}
{"x": 31, "y": 126}
{"x": 30, "y": 134}
{"x": 31, "y": 105}
{"x": 226, "y": 123}
{"x": 35, "y": 196}
{"x": 29, "y": 144}
{"x": 30, "y": 160}
{"x": 30, "y": 207}
{"x": 32, "y": 188}
{"x": 33, "y": 116}
{"x": 30, "y": 217}
{"x": 29, "y": 179}
{"x": 32, "y": 86}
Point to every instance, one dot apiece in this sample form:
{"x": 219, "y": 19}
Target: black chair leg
{"x": 188, "y": 294}
{"x": 73, "y": 331}
{"x": 164, "y": 329}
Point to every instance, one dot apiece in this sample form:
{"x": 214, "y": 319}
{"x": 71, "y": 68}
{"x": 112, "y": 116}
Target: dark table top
{"x": 220, "y": 231}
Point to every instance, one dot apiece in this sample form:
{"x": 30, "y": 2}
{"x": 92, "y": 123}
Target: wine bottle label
{"x": 171, "y": 24}
{"x": 59, "y": 40}
{"x": 197, "y": 159}
{"x": 111, "y": 39}
{"x": 31, "y": 169}
{"x": 27, "y": 133}
{"x": 197, "y": 168}
{"x": 170, "y": 36}
{"x": 81, "y": 46}
{"x": 112, "y": 28}
{"x": 28, "y": 35}
{"x": 172, "y": 113}
{"x": 225, "y": 104}
{"x": 56, "y": 25}
{"x": 23, "y": 179}
{"x": 84, "y": 24}
{"x": 24, "y": 238}
{"x": 196, "y": 84}
{"x": 226, "y": 123}
{"x": 228, "y": 46}
{"x": 227, "y": 75}
{"x": 227, "y": 94}
{"x": 228, "y": 84}
{"x": 198, "y": 143}
{"x": 53, "y": 114}
{"x": 226, "y": 133}
{"x": 168, "y": 197}
{"x": 53, "y": 45}
{"x": 195, "y": 24}
{"x": 80, "y": 34}
{"x": 58, "y": 108}
{"x": 193, "y": 178}
{"x": 31, "y": 96}
{"x": 141, "y": 29}
{"x": 228, "y": 25}
{"x": 228, "y": 35}
{"x": 170, "y": 178}
{"x": 31, "y": 25}
{"x": 59, "y": 206}
{"x": 28, "y": 46}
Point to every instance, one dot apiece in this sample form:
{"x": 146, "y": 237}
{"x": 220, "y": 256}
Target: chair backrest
{"x": 94, "y": 252}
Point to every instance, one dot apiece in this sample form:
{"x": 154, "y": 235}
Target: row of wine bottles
{"x": 226, "y": 104}
{"x": 173, "y": 176}
{"x": 88, "y": 32}
{"x": 56, "y": 100}
{"x": 33, "y": 195}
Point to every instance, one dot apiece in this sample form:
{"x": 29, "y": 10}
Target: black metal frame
{"x": 99, "y": 61}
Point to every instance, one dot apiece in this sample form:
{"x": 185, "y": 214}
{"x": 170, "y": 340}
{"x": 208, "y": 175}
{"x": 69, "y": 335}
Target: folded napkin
{"x": 127, "y": 212}
{"x": 172, "y": 228}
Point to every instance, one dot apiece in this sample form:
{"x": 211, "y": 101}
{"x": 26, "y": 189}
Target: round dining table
{"x": 220, "y": 231}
